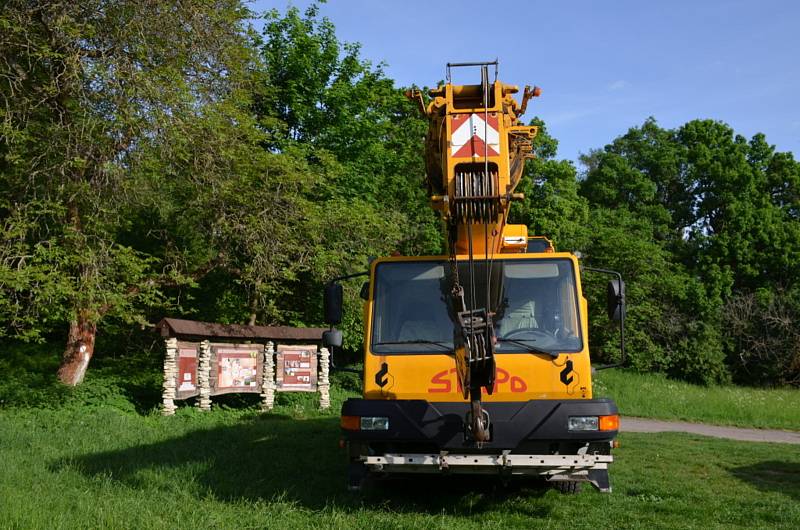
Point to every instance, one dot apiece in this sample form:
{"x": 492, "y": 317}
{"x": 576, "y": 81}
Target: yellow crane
{"x": 478, "y": 360}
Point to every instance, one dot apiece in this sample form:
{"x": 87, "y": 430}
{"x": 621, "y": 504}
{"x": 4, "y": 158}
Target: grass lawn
{"x": 101, "y": 456}
{"x": 655, "y": 396}
{"x": 95, "y": 466}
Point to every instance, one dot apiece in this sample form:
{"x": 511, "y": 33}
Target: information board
{"x": 297, "y": 368}
{"x": 236, "y": 368}
{"x": 186, "y": 384}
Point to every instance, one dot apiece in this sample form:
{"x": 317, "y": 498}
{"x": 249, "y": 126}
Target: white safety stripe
{"x": 474, "y": 126}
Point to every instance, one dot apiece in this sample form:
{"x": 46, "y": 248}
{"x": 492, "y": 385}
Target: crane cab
{"x": 412, "y": 414}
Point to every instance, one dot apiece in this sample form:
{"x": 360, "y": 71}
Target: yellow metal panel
{"x": 520, "y": 376}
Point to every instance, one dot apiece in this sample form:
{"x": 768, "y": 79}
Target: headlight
{"x": 583, "y": 423}
{"x": 374, "y": 423}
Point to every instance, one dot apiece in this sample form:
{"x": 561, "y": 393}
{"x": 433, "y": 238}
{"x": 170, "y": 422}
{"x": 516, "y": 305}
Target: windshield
{"x": 534, "y": 301}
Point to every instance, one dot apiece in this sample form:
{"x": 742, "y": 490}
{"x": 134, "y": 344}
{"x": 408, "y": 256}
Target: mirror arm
{"x": 347, "y": 277}
{"x": 333, "y": 366}
{"x": 621, "y": 298}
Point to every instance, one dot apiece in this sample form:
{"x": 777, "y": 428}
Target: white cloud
{"x": 618, "y": 85}
{"x": 571, "y": 115}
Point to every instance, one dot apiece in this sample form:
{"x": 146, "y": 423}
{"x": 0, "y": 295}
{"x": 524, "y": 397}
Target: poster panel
{"x": 236, "y": 368}
{"x": 186, "y": 384}
{"x": 297, "y": 368}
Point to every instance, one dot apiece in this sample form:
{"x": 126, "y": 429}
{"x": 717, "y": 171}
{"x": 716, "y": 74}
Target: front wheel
{"x": 568, "y": 487}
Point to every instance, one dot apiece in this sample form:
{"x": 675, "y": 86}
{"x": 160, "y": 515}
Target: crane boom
{"x": 475, "y": 154}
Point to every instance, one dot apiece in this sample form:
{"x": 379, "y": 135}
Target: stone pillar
{"x": 170, "y": 377}
{"x": 204, "y": 376}
{"x": 268, "y": 378}
{"x": 324, "y": 384}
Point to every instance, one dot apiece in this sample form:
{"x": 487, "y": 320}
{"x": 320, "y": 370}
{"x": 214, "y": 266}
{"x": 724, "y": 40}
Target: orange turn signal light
{"x": 351, "y": 423}
{"x": 609, "y": 423}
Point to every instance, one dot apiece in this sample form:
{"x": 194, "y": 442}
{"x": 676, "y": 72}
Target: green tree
{"x": 725, "y": 211}
{"x": 670, "y": 322}
{"x": 332, "y": 107}
{"x": 552, "y": 206}
{"x": 92, "y": 92}
{"x": 361, "y": 143}
{"x": 644, "y": 170}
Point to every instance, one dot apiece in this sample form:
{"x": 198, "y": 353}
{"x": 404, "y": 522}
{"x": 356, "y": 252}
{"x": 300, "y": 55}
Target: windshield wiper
{"x": 531, "y": 349}
{"x": 440, "y": 344}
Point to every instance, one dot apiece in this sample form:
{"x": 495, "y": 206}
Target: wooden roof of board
{"x": 177, "y": 327}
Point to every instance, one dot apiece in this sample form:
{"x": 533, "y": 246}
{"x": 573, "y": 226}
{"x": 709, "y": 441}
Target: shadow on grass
{"x": 772, "y": 476}
{"x": 276, "y": 458}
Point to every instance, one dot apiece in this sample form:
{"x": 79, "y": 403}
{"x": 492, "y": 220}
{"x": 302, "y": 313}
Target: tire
{"x": 568, "y": 487}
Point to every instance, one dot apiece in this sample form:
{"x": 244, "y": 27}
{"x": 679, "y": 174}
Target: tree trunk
{"x": 80, "y": 347}
{"x": 254, "y": 304}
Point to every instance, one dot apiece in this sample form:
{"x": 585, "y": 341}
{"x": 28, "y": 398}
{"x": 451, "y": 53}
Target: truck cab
{"x": 542, "y": 417}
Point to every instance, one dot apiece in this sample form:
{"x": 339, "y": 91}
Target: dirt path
{"x": 732, "y": 433}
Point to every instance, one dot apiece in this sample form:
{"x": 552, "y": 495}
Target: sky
{"x": 603, "y": 66}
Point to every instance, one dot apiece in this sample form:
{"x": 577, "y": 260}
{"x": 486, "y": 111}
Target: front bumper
{"x": 580, "y": 468}
{"x": 527, "y": 438}
{"x": 529, "y": 427}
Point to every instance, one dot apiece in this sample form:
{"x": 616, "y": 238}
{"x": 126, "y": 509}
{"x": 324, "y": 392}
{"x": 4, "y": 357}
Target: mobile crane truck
{"x": 478, "y": 361}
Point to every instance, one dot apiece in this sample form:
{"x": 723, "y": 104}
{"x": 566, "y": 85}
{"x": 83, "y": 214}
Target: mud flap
{"x": 356, "y": 475}
{"x": 599, "y": 479}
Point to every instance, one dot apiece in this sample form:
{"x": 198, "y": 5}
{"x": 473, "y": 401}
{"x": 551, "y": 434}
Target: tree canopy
{"x": 165, "y": 158}
{"x": 722, "y": 211}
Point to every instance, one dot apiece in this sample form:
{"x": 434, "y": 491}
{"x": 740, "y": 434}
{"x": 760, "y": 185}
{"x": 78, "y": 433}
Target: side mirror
{"x": 364, "y": 293}
{"x": 332, "y": 303}
{"x": 332, "y": 338}
{"x": 615, "y": 303}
